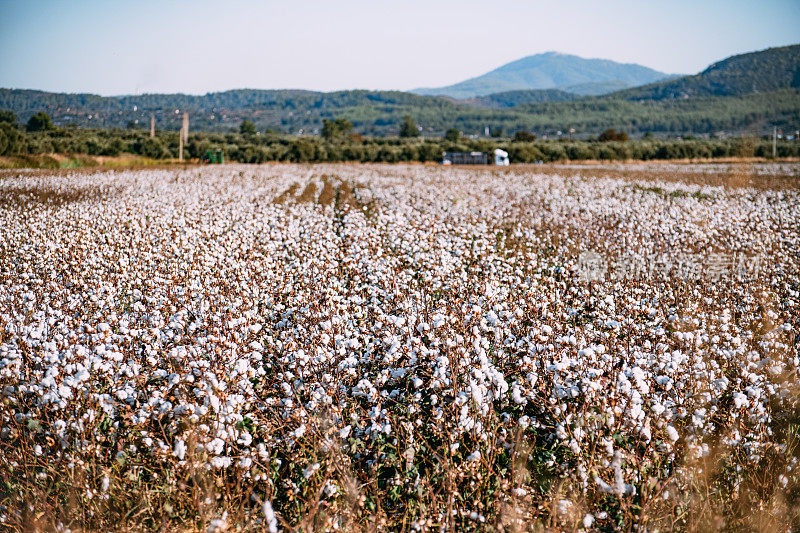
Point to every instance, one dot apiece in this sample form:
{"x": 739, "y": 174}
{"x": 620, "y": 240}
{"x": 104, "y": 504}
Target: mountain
{"x": 748, "y": 93}
{"x": 551, "y": 70}
{"x": 755, "y": 72}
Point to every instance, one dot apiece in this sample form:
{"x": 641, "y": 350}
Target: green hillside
{"x": 749, "y": 93}
{"x": 757, "y": 72}
{"x": 517, "y": 98}
{"x": 753, "y": 113}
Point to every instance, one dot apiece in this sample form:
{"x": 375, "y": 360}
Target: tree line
{"x": 376, "y": 113}
{"x": 339, "y": 143}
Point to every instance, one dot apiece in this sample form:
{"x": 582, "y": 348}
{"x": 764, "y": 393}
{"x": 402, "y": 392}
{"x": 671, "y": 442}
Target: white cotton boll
{"x": 106, "y": 482}
{"x": 345, "y": 432}
{"x": 180, "y": 449}
{"x": 517, "y": 396}
{"x": 608, "y": 444}
{"x": 256, "y": 346}
{"x": 645, "y": 431}
{"x": 221, "y": 462}
{"x": 309, "y": 471}
{"x": 564, "y": 507}
{"x": 658, "y": 408}
{"x": 672, "y": 433}
{"x": 620, "y": 487}
{"x": 300, "y": 431}
{"x": 214, "y": 402}
{"x": 216, "y": 446}
{"x": 474, "y": 456}
{"x": 740, "y": 400}
{"x": 588, "y": 520}
{"x": 218, "y": 525}
{"x": 269, "y": 517}
{"x": 587, "y": 353}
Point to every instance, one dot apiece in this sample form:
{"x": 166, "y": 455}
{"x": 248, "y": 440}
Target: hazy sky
{"x": 120, "y": 47}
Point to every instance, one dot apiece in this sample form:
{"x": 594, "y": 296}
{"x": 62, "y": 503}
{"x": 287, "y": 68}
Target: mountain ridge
{"x": 749, "y": 92}
{"x": 777, "y": 68}
{"x": 550, "y": 70}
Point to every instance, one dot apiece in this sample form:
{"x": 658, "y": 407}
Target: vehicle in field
{"x": 475, "y": 158}
{"x": 214, "y": 157}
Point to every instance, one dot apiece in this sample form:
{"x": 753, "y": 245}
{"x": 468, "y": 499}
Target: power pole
{"x": 774, "y": 140}
{"x": 152, "y": 125}
{"x": 185, "y": 128}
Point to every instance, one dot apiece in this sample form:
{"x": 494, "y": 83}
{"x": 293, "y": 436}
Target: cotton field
{"x": 351, "y": 347}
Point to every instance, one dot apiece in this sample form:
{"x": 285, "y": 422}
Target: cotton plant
{"x": 421, "y": 333}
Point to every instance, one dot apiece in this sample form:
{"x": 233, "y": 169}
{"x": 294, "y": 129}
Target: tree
{"x": 335, "y": 129}
{"x": 11, "y": 140}
{"x": 452, "y": 135}
{"x": 39, "y": 122}
{"x": 247, "y": 128}
{"x": 408, "y": 128}
{"x": 497, "y": 132}
{"x": 524, "y": 136}
{"x": 153, "y": 148}
{"x": 612, "y": 135}
{"x": 8, "y": 117}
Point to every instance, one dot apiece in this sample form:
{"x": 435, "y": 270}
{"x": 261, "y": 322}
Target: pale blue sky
{"x": 120, "y": 46}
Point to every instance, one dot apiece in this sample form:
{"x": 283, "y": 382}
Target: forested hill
{"x": 757, "y": 72}
{"x": 748, "y": 93}
{"x": 516, "y": 98}
{"x": 381, "y": 113}
{"x": 21, "y": 101}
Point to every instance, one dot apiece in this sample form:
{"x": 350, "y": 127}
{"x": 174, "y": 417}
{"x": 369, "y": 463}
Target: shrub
{"x": 612, "y": 135}
{"x": 524, "y": 136}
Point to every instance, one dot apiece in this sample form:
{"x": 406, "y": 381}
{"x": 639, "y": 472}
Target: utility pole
{"x": 185, "y": 128}
{"x": 152, "y": 125}
{"x": 774, "y": 140}
{"x": 180, "y": 145}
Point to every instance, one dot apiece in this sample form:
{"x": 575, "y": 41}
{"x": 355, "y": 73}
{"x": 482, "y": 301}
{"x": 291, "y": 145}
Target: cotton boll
{"x": 672, "y": 433}
{"x": 270, "y": 520}
{"x": 218, "y": 525}
{"x": 180, "y": 449}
